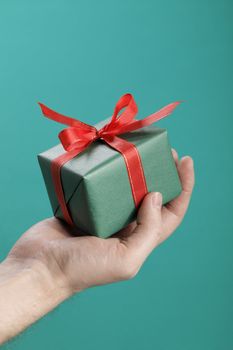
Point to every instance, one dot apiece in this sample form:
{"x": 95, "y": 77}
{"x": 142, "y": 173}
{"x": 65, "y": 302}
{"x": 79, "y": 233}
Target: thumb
{"x": 147, "y": 233}
{"x": 149, "y": 214}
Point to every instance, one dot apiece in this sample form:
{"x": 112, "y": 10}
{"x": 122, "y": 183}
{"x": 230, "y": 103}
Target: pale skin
{"x": 48, "y": 264}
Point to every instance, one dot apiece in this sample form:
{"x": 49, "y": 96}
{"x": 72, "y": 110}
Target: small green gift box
{"x": 96, "y": 182}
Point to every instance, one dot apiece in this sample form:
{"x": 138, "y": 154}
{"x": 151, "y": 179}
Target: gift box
{"x": 96, "y": 182}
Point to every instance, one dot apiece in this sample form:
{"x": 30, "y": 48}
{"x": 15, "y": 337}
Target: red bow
{"x": 78, "y": 136}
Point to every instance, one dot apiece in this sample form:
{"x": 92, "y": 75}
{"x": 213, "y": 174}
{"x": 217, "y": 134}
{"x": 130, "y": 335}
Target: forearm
{"x": 27, "y": 293}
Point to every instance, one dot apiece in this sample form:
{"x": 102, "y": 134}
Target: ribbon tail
{"x": 155, "y": 117}
{"x": 133, "y": 165}
{"x": 63, "y": 119}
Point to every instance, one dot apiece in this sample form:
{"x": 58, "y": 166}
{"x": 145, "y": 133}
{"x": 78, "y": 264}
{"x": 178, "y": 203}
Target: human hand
{"x": 79, "y": 262}
{"x": 48, "y": 263}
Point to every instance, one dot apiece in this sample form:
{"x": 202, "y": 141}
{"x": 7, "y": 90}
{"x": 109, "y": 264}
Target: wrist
{"x": 27, "y": 292}
{"x": 37, "y": 273}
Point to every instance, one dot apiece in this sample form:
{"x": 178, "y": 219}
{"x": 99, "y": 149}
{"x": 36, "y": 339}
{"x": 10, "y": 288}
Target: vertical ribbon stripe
{"x": 56, "y": 166}
{"x": 133, "y": 165}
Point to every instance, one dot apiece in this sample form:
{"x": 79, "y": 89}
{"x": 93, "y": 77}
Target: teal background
{"x": 79, "y": 57}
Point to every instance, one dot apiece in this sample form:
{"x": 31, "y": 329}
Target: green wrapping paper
{"x": 96, "y": 184}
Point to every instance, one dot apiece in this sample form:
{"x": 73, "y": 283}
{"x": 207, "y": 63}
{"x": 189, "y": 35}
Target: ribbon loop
{"x": 74, "y": 138}
{"x": 128, "y": 114}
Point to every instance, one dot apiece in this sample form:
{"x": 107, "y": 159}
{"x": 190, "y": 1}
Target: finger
{"x": 186, "y": 174}
{"x": 145, "y": 236}
{"x": 175, "y": 156}
{"x": 174, "y": 211}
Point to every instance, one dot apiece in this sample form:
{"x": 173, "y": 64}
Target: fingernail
{"x": 157, "y": 199}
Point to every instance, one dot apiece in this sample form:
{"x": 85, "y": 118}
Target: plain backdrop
{"x": 79, "y": 57}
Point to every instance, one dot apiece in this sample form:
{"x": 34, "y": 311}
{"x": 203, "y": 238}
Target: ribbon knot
{"x": 78, "y": 136}
{"x": 98, "y": 135}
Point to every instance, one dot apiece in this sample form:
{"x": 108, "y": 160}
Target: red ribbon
{"x": 78, "y": 136}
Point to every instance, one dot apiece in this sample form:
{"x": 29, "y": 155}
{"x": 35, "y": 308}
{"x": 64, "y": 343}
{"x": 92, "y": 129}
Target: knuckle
{"x": 130, "y": 269}
{"x": 154, "y": 231}
{"x": 158, "y": 231}
{"x": 129, "y": 273}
